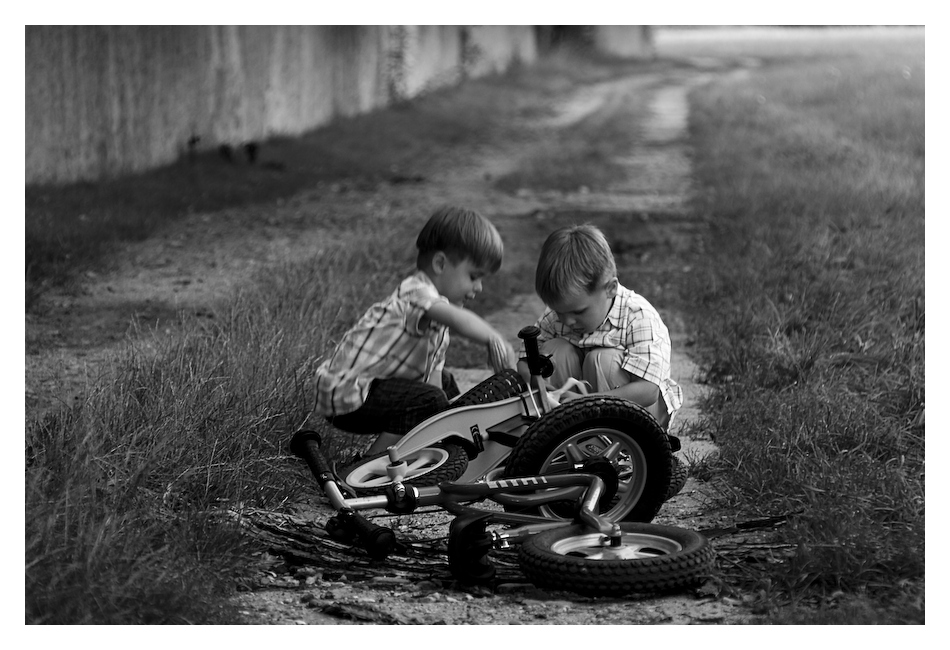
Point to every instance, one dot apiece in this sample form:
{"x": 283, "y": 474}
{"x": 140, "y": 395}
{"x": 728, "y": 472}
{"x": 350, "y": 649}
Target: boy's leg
{"x": 567, "y": 361}
{"x": 603, "y": 371}
{"x": 392, "y": 409}
{"x": 449, "y": 385}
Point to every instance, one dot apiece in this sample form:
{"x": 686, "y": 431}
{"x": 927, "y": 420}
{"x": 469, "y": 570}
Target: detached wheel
{"x": 503, "y": 385}
{"x": 594, "y": 434}
{"x": 427, "y": 466}
{"x": 650, "y": 558}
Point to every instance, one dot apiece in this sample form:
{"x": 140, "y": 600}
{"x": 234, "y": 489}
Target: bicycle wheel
{"x": 580, "y": 436}
{"x": 650, "y": 558}
{"x": 678, "y": 477}
{"x": 503, "y": 385}
{"x": 427, "y": 466}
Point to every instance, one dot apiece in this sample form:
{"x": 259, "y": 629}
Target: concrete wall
{"x": 626, "y": 41}
{"x": 103, "y": 101}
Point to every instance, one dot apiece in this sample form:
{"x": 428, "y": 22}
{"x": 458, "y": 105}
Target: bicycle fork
{"x": 347, "y": 524}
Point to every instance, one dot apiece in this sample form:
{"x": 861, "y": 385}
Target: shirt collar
{"x": 615, "y": 312}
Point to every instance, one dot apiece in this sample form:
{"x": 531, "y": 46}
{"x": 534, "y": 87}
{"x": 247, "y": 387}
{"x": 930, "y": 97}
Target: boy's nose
{"x": 478, "y": 286}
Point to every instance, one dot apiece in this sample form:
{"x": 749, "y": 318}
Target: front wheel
{"x": 649, "y": 558}
{"x": 427, "y": 466}
{"x": 607, "y": 436}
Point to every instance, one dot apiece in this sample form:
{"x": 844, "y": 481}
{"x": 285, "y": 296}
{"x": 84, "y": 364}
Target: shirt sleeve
{"x": 643, "y": 351}
{"x": 419, "y": 297}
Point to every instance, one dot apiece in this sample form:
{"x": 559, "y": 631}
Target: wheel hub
{"x": 606, "y": 472}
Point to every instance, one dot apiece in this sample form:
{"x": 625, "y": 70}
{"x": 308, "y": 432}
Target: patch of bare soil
{"x": 306, "y": 578}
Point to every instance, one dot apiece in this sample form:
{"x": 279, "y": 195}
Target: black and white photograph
{"x": 505, "y": 324}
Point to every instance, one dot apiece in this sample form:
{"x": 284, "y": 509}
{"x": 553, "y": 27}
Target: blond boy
{"x": 597, "y": 330}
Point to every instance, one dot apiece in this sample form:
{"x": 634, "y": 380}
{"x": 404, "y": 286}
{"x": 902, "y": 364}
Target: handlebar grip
{"x": 377, "y": 541}
{"x": 537, "y": 365}
{"x": 306, "y": 445}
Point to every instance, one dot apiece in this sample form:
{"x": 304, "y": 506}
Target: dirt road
{"x": 189, "y": 265}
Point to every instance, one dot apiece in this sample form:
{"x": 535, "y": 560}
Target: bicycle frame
{"x": 453, "y": 496}
{"x": 490, "y": 430}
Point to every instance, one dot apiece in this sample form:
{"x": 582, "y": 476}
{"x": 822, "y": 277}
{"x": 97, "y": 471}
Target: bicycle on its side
{"x": 578, "y": 484}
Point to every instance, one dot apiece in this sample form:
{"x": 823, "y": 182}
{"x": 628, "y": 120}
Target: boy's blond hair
{"x": 460, "y": 234}
{"x": 573, "y": 258}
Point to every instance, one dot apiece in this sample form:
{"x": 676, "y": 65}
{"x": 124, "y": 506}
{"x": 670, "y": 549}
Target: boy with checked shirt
{"x": 387, "y": 373}
{"x": 596, "y": 330}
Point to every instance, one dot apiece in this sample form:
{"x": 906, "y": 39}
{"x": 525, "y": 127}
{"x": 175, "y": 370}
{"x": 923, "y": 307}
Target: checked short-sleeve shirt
{"x": 634, "y": 327}
{"x": 392, "y": 339}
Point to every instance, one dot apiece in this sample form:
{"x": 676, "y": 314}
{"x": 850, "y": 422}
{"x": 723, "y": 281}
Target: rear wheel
{"x": 678, "y": 477}
{"x": 607, "y": 436}
{"x": 649, "y": 558}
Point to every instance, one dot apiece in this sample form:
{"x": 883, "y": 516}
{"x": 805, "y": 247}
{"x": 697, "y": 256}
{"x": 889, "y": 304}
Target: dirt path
{"x": 202, "y": 258}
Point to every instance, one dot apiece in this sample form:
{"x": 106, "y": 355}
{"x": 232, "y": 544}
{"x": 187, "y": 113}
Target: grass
{"x": 810, "y": 312}
{"x": 127, "y": 493}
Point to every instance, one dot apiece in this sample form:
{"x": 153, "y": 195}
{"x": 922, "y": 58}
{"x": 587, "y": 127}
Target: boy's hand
{"x": 501, "y": 355}
{"x": 567, "y": 396}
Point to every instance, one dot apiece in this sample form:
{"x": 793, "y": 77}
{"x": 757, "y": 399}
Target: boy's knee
{"x": 559, "y": 346}
{"x": 603, "y": 369}
{"x": 565, "y": 357}
{"x": 603, "y": 358}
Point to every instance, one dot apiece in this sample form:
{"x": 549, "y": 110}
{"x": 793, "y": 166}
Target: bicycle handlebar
{"x": 377, "y": 541}
{"x": 537, "y": 364}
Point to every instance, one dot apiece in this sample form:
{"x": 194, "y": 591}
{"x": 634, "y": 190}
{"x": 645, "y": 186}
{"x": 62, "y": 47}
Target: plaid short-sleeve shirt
{"x": 634, "y": 327}
{"x": 392, "y": 339}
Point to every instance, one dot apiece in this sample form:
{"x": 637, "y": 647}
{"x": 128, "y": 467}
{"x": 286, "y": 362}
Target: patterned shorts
{"x": 397, "y": 405}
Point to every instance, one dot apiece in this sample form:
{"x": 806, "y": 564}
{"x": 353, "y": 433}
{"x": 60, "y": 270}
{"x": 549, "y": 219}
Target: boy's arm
{"x": 639, "y": 390}
{"x": 472, "y": 326}
{"x": 642, "y": 391}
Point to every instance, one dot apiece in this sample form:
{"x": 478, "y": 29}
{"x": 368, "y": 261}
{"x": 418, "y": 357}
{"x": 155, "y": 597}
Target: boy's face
{"x": 458, "y": 282}
{"x": 584, "y": 312}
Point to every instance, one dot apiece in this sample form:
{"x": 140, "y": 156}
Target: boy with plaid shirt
{"x": 596, "y": 330}
{"x": 387, "y": 373}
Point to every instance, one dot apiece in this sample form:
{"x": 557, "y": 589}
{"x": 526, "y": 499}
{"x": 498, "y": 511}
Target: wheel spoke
{"x": 575, "y": 455}
{"x": 623, "y": 488}
{"x": 611, "y": 452}
{"x": 374, "y": 480}
{"x": 416, "y": 464}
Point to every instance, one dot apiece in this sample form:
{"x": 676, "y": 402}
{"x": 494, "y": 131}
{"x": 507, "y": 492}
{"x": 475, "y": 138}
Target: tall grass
{"x": 810, "y": 307}
{"x": 127, "y": 494}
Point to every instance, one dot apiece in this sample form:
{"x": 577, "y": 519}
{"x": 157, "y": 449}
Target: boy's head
{"x": 457, "y": 248}
{"x": 462, "y": 235}
{"x": 577, "y": 276}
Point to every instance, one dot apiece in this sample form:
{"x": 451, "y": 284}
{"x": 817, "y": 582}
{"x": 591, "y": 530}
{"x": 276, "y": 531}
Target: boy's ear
{"x": 612, "y": 287}
{"x": 438, "y": 262}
